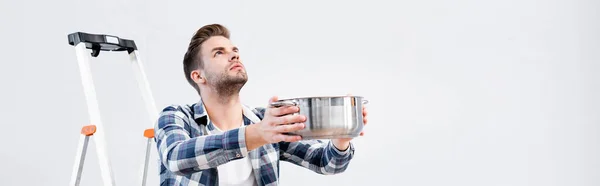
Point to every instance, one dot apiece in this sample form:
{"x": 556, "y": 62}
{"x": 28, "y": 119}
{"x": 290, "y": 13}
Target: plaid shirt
{"x": 189, "y": 156}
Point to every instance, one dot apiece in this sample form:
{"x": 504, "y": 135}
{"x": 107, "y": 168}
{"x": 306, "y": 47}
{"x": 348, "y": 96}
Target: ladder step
{"x": 88, "y": 130}
{"x": 149, "y": 133}
{"x": 101, "y": 42}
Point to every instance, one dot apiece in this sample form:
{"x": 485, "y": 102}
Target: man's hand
{"x": 275, "y": 123}
{"x": 343, "y": 143}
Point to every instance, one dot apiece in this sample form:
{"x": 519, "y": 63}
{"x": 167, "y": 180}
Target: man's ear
{"x": 198, "y": 76}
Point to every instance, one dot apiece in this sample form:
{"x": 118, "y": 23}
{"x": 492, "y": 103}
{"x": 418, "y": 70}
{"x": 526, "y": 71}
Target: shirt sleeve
{"x": 316, "y": 155}
{"x": 182, "y": 154}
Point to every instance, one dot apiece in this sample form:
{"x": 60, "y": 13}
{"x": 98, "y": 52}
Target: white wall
{"x": 461, "y": 92}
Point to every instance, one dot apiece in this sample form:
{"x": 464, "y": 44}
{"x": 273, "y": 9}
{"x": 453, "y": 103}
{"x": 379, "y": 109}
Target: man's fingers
{"x": 289, "y": 119}
{"x": 280, "y": 111}
{"x": 290, "y": 128}
{"x": 289, "y": 138}
{"x": 365, "y": 115}
{"x": 286, "y": 138}
{"x": 273, "y": 99}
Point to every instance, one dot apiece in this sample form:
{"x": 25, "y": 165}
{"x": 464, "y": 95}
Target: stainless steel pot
{"x": 328, "y": 117}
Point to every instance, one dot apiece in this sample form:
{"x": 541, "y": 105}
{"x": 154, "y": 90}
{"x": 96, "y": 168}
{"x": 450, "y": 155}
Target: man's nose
{"x": 234, "y": 56}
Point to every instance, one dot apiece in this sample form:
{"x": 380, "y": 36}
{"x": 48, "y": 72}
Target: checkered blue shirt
{"x": 189, "y": 156}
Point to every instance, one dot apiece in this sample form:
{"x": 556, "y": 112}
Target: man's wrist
{"x": 253, "y": 138}
{"x": 340, "y": 146}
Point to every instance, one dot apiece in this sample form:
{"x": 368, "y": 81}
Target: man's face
{"x": 223, "y": 69}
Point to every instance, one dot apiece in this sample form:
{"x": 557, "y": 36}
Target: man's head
{"x": 213, "y": 62}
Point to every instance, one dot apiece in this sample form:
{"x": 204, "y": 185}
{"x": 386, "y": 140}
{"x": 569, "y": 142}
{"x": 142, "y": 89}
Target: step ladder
{"x": 84, "y": 43}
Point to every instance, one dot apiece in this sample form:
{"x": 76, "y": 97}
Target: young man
{"x": 219, "y": 140}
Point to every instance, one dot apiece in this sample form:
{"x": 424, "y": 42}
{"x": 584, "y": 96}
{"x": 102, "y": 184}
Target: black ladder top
{"x": 101, "y": 42}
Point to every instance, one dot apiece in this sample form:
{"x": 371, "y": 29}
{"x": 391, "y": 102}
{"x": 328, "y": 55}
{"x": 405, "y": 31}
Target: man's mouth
{"x": 236, "y": 66}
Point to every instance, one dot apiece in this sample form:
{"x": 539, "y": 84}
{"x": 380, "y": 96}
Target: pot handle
{"x": 364, "y": 101}
{"x": 284, "y": 103}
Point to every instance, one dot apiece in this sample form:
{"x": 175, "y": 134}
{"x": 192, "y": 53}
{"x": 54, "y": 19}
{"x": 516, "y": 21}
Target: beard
{"x": 225, "y": 84}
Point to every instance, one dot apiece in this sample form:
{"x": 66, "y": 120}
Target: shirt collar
{"x": 200, "y": 112}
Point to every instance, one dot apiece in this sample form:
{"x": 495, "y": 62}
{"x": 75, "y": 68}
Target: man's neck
{"x": 224, "y": 112}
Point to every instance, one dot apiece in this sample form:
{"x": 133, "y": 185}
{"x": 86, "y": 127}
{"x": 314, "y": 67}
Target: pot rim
{"x": 310, "y": 97}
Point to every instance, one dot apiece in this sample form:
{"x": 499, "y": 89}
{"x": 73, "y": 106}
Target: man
{"x": 219, "y": 140}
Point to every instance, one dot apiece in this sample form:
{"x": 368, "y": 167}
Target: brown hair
{"x": 192, "y": 59}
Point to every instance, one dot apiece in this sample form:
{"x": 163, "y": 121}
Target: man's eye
{"x": 218, "y": 53}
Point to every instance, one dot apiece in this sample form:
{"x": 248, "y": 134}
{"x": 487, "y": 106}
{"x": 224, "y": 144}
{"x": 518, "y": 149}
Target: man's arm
{"x": 183, "y": 155}
{"x": 316, "y": 155}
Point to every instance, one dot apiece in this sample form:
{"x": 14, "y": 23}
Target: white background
{"x": 461, "y": 92}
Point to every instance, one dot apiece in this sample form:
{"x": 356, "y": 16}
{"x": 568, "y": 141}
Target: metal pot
{"x": 328, "y": 117}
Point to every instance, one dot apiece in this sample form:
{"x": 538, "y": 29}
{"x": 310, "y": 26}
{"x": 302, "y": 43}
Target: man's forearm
{"x": 183, "y": 155}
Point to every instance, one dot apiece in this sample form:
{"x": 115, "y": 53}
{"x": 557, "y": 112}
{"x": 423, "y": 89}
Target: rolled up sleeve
{"x": 316, "y": 155}
{"x": 183, "y": 155}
